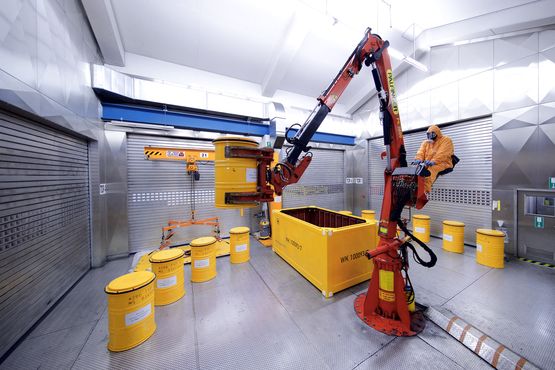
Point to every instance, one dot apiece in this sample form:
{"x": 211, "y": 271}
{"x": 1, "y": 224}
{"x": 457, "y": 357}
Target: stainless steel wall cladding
{"x": 159, "y": 191}
{"x": 523, "y": 122}
{"x": 464, "y": 194}
{"x": 44, "y": 221}
{"x": 323, "y": 183}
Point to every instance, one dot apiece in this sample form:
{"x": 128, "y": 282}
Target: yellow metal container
{"x": 234, "y": 175}
{"x": 421, "y": 227}
{"x": 453, "y": 236}
{"x": 203, "y": 259}
{"x": 490, "y": 248}
{"x": 368, "y": 214}
{"x": 346, "y": 212}
{"x": 239, "y": 244}
{"x": 326, "y": 247}
{"x": 130, "y": 310}
{"x": 169, "y": 286}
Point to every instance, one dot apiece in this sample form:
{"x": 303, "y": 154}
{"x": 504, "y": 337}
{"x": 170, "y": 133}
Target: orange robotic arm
{"x": 372, "y": 52}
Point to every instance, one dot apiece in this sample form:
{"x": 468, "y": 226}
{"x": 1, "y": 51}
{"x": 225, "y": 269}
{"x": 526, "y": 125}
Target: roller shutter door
{"x": 464, "y": 194}
{"x": 323, "y": 183}
{"x": 161, "y": 190}
{"x": 44, "y": 221}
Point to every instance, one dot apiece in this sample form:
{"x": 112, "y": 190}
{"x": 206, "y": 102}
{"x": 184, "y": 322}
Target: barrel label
{"x": 479, "y": 247}
{"x": 139, "y": 315}
{"x": 448, "y": 237}
{"x": 420, "y": 230}
{"x": 199, "y": 264}
{"x": 240, "y": 248}
{"x": 167, "y": 282}
{"x": 251, "y": 175}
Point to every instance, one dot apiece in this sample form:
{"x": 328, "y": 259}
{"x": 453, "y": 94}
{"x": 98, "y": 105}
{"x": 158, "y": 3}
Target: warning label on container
{"x": 199, "y": 264}
{"x": 479, "y": 247}
{"x": 251, "y": 175}
{"x": 139, "y": 315}
{"x": 448, "y": 237}
{"x": 240, "y": 248}
{"x": 167, "y": 282}
{"x": 420, "y": 230}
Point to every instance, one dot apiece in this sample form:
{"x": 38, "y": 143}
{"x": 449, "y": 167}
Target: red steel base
{"x": 390, "y": 326}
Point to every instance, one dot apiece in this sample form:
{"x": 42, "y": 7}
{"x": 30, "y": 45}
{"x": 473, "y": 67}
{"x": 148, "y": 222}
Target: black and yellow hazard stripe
{"x": 152, "y": 152}
{"x": 537, "y": 262}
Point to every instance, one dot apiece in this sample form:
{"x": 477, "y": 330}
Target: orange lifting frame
{"x": 191, "y": 156}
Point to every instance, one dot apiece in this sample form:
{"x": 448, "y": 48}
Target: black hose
{"x": 433, "y": 257}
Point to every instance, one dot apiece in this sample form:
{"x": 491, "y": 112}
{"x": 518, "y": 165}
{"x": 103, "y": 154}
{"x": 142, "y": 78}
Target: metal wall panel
{"x": 114, "y": 177}
{"x": 323, "y": 183}
{"x": 159, "y": 191}
{"x": 463, "y": 195}
{"x": 44, "y": 221}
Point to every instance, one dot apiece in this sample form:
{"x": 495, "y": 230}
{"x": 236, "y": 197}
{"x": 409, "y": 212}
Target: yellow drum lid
{"x": 239, "y": 230}
{"x": 367, "y": 211}
{"x": 130, "y": 282}
{"x": 166, "y": 255}
{"x": 453, "y": 223}
{"x": 421, "y": 217}
{"x": 490, "y": 232}
{"x": 203, "y": 242}
{"x": 235, "y": 139}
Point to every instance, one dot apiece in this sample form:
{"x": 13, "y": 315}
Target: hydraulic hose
{"x": 433, "y": 257}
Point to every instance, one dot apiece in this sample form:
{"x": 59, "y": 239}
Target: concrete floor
{"x": 263, "y": 315}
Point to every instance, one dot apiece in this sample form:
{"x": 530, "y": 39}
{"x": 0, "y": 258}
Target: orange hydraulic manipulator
{"x": 385, "y": 307}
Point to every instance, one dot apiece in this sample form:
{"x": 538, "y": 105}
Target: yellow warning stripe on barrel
{"x": 537, "y": 262}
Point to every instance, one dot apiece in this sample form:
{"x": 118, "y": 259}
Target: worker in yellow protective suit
{"x": 436, "y": 153}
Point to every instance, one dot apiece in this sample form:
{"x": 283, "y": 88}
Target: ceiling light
{"x": 395, "y": 54}
{"x": 415, "y": 63}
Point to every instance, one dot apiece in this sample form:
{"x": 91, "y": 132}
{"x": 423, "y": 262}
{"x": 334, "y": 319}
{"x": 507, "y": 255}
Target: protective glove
{"x": 416, "y": 162}
{"x": 429, "y": 163}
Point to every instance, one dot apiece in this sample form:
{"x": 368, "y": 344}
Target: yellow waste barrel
{"x": 421, "y": 227}
{"x": 203, "y": 259}
{"x": 368, "y": 214}
{"x": 239, "y": 244}
{"x": 490, "y": 248}
{"x": 130, "y": 310}
{"x": 453, "y": 236}
{"x": 234, "y": 175}
{"x": 346, "y": 212}
{"x": 169, "y": 286}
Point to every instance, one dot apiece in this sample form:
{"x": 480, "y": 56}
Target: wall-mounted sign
{"x": 358, "y": 180}
{"x": 538, "y": 222}
{"x": 349, "y": 180}
{"x": 552, "y": 183}
{"x": 102, "y": 189}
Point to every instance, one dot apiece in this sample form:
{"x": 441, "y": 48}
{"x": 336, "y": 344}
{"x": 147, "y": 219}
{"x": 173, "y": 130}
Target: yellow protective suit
{"x": 439, "y": 151}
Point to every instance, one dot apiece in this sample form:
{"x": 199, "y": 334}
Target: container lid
{"x": 203, "y": 242}
{"x": 453, "y": 223}
{"x": 166, "y": 255}
{"x": 239, "y": 230}
{"x": 490, "y": 232}
{"x": 421, "y": 217}
{"x": 235, "y": 138}
{"x": 370, "y": 211}
{"x": 129, "y": 282}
